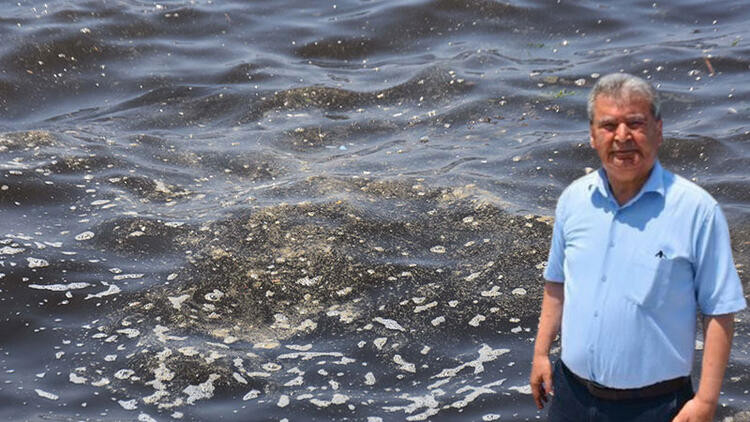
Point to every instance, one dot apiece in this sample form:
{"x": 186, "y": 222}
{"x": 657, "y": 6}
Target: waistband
{"x": 654, "y": 390}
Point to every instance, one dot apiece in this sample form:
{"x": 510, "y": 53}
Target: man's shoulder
{"x": 581, "y": 186}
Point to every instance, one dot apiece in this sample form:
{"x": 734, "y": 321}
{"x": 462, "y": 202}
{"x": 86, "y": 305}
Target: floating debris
{"x": 252, "y": 394}
{"x": 283, "y": 401}
{"x": 60, "y": 287}
{"x": 112, "y": 290}
{"x": 404, "y": 365}
{"x": 477, "y": 320}
{"x": 84, "y": 236}
{"x": 204, "y": 390}
{"x": 389, "y": 324}
{"x": 131, "y": 404}
{"x": 437, "y": 249}
{"x": 37, "y": 263}
{"x": 520, "y": 291}
{"x": 46, "y": 395}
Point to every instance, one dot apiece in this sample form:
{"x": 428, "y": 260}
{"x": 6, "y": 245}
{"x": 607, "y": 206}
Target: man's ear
{"x": 659, "y": 126}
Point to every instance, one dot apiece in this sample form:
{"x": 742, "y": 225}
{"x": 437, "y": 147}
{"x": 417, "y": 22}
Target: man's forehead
{"x": 631, "y": 104}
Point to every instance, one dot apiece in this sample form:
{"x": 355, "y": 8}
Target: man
{"x": 636, "y": 251}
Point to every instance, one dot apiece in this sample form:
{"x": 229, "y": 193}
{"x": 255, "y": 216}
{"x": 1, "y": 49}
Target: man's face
{"x": 626, "y": 136}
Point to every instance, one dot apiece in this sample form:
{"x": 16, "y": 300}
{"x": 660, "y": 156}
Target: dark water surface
{"x": 321, "y": 210}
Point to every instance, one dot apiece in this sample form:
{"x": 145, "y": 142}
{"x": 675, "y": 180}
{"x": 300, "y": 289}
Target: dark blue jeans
{"x": 573, "y": 402}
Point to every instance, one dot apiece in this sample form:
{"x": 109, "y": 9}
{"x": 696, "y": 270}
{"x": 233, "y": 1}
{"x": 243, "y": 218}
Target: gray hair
{"x": 623, "y": 85}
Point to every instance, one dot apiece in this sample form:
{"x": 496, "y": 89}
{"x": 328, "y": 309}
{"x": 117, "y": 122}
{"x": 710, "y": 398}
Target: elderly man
{"x": 636, "y": 251}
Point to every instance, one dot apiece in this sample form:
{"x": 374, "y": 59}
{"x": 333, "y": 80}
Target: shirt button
{"x": 611, "y": 244}
{"x": 604, "y": 278}
{"x": 596, "y": 314}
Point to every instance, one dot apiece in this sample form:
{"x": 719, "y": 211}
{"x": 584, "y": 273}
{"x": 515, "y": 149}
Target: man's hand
{"x": 541, "y": 380}
{"x": 718, "y": 331}
{"x": 549, "y": 326}
{"x": 696, "y": 410}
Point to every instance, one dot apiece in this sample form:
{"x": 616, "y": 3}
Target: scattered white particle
{"x": 580, "y": 82}
{"x": 271, "y": 366}
{"x": 437, "y": 321}
{"x": 110, "y": 358}
{"x": 270, "y": 344}
{"x": 85, "y": 30}
{"x": 177, "y": 415}
{"x": 46, "y": 395}
{"x": 59, "y": 287}
{"x": 37, "y": 262}
{"x": 486, "y": 354}
{"x": 493, "y": 292}
{"x": 437, "y": 249}
{"x": 404, "y": 365}
{"x": 520, "y": 291}
{"x": 204, "y": 390}
{"x": 369, "y": 378}
{"x": 299, "y": 348}
{"x": 698, "y": 345}
{"x": 374, "y": 419}
{"x": 523, "y": 389}
{"x": 239, "y": 378}
{"x": 337, "y": 399}
{"x": 41, "y": 374}
{"x": 423, "y": 308}
{"x": 124, "y": 374}
{"x": 477, "y": 320}
{"x": 490, "y": 417}
{"x": 473, "y": 276}
{"x": 425, "y": 350}
{"x": 308, "y": 282}
{"x": 283, "y": 401}
{"x": 389, "y": 324}
{"x": 112, "y": 290}
{"x": 101, "y": 383}
{"x": 295, "y": 382}
{"x": 143, "y": 417}
{"x": 131, "y": 404}
{"x": 516, "y": 330}
{"x": 129, "y": 332}
{"x": 58, "y": 355}
{"x": 379, "y": 342}
{"x": 84, "y": 236}
{"x": 7, "y": 250}
{"x": 252, "y": 394}
{"x": 177, "y": 301}
{"x": 127, "y": 276}
{"x": 76, "y": 379}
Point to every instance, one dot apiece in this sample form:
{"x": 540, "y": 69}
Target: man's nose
{"x": 622, "y": 133}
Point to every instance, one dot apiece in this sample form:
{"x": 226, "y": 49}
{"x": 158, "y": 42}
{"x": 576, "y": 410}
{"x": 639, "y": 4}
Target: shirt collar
{"x": 654, "y": 183}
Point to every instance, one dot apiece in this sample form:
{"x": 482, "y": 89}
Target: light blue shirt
{"x": 636, "y": 274}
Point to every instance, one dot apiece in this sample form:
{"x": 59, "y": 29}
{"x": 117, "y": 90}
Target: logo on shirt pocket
{"x": 651, "y": 278}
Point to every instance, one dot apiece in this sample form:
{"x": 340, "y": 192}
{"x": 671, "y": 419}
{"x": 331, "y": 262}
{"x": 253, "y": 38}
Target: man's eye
{"x": 609, "y": 127}
{"x": 634, "y": 124}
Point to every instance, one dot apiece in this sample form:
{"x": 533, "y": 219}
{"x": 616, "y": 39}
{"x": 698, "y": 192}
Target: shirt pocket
{"x": 648, "y": 285}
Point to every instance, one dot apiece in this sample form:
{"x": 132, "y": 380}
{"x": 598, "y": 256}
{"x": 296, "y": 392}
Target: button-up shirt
{"x": 635, "y": 274}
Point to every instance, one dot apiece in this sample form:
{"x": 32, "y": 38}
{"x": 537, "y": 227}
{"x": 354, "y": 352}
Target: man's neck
{"x": 624, "y": 191}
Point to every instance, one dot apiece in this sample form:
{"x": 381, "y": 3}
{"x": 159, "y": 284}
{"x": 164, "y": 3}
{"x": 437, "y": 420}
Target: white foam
{"x": 389, "y": 324}
{"x": 46, "y": 395}
{"x": 60, "y": 287}
{"x": 112, "y": 290}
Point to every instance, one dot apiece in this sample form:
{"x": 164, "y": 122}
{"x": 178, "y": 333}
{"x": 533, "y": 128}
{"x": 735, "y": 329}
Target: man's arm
{"x": 549, "y": 326}
{"x": 718, "y": 332}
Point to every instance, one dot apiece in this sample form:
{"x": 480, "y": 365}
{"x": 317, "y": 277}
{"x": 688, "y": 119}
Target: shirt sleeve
{"x": 717, "y": 284}
{"x": 554, "y": 270}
